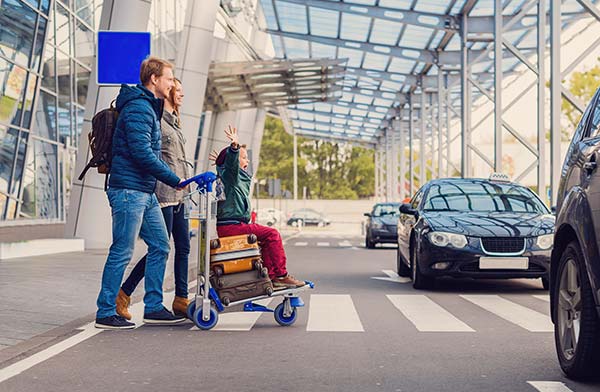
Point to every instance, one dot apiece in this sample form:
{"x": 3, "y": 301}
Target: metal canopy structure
{"x": 272, "y": 83}
{"x": 418, "y": 70}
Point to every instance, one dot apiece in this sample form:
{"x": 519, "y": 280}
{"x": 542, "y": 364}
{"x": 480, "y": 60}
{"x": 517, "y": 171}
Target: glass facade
{"x": 46, "y": 54}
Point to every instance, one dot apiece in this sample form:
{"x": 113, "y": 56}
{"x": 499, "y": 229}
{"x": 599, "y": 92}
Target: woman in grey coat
{"x": 173, "y": 209}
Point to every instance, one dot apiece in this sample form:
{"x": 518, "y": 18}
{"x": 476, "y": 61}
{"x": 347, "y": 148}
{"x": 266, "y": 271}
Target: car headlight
{"x": 439, "y": 238}
{"x": 545, "y": 241}
{"x": 377, "y": 225}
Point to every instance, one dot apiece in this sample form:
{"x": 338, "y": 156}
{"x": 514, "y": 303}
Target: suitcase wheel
{"x": 257, "y": 264}
{"x": 252, "y": 238}
{"x": 215, "y": 244}
{"x": 226, "y": 301}
{"x": 218, "y": 270}
{"x": 220, "y": 283}
{"x": 264, "y": 272}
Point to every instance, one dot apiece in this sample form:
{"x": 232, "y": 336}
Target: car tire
{"x": 401, "y": 267}
{"x": 368, "y": 243}
{"x": 579, "y": 359}
{"x": 546, "y": 282}
{"x": 419, "y": 281}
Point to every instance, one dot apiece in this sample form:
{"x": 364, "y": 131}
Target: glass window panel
{"x": 45, "y": 6}
{"x": 82, "y": 81}
{"x": 84, "y": 44}
{"x": 8, "y": 144}
{"x": 50, "y": 36}
{"x": 19, "y": 167}
{"x": 79, "y": 111}
{"x": 12, "y": 86}
{"x": 49, "y": 69}
{"x": 31, "y": 85}
{"x": 70, "y": 159}
{"x": 40, "y": 192}
{"x": 34, "y": 3}
{"x": 85, "y": 10}
{"x": 45, "y": 116}
{"x": 63, "y": 29}
{"x": 18, "y": 26}
{"x": 323, "y": 22}
{"x": 292, "y": 17}
{"x": 39, "y": 44}
{"x": 355, "y": 27}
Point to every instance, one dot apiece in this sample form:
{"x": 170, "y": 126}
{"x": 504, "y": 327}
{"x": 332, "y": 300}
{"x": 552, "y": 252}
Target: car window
{"x": 386, "y": 209}
{"x": 590, "y": 121}
{"x": 416, "y": 200}
{"x": 483, "y": 196}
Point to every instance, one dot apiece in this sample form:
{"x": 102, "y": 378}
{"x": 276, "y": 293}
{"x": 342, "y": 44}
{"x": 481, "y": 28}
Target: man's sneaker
{"x": 163, "y": 317}
{"x": 113, "y": 322}
{"x": 287, "y": 281}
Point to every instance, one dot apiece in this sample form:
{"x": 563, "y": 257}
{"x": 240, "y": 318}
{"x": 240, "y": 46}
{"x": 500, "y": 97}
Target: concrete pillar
{"x": 89, "y": 214}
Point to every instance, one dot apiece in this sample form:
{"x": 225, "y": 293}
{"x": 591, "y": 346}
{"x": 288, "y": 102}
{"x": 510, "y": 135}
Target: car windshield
{"x": 482, "y": 196}
{"x": 386, "y": 209}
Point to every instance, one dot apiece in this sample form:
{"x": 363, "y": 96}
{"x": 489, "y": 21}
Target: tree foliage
{"x": 582, "y": 85}
{"x": 328, "y": 170}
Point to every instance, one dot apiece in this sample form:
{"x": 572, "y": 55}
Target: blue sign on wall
{"x": 119, "y": 56}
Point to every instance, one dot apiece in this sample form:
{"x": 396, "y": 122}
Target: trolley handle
{"x": 203, "y": 180}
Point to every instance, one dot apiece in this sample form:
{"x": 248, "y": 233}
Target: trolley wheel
{"x": 215, "y": 244}
{"x": 226, "y": 301}
{"x": 191, "y": 309}
{"x": 281, "y": 319}
{"x": 264, "y": 272}
{"x": 210, "y": 323}
{"x": 220, "y": 282}
{"x": 257, "y": 264}
{"x": 252, "y": 238}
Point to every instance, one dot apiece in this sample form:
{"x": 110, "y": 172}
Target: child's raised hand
{"x": 213, "y": 157}
{"x": 232, "y": 134}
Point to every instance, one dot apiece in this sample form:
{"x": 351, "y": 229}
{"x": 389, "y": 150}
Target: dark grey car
{"x": 382, "y": 223}
{"x": 575, "y": 265}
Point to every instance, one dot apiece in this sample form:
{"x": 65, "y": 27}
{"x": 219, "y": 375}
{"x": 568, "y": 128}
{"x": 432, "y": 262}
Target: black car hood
{"x": 490, "y": 224}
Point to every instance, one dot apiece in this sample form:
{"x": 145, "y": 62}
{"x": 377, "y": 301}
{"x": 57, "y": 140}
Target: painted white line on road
{"x": 301, "y": 244}
{"x": 549, "y": 386}
{"x": 517, "y": 314}
{"x": 322, "y": 243}
{"x": 426, "y": 315}
{"x": 27, "y": 363}
{"x": 392, "y": 277}
{"x": 545, "y": 298}
{"x": 333, "y": 313}
{"x": 238, "y": 321}
{"x": 345, "y": 244}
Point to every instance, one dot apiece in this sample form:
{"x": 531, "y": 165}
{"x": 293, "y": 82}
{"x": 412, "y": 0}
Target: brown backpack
{"x": 103, "y": 126}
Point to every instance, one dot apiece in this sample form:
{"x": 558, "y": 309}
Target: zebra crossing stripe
{"x": 322, "y": 243}
{"x": 333, "y": 313}
{"x": 345, "y": 244}
{"x": 426, "y": 315}
{"x": 545, "y": 298}
{"x": 239, "y": 321}
{"x": 549, "y": 386}
{"x": 301, "y": 244}
{"x": 517, "y": 314}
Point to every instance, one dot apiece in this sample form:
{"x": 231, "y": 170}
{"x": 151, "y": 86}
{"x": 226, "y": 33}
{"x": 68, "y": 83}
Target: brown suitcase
{"x": 238, "y": 265}
{"x": 234, "y": 247}
{"x": 243, "y": 285}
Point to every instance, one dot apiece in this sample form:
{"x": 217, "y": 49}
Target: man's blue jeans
{"x": 134, "y": 213}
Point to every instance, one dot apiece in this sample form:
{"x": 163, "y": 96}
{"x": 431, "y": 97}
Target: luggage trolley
{"x": 205, "y": 308}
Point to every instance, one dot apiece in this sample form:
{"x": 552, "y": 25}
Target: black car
{"x": 307, "y": 216}
{"x": 575, "y": 266}
{"x": 474, "y": 228}
{"x": 382, "y": 224}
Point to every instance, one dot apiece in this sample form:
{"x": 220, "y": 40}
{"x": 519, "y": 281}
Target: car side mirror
{"x": 407, "y": 209}
{"x": 367, "y": 214}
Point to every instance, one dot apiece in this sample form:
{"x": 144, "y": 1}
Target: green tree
{"x": 582, "y": 85}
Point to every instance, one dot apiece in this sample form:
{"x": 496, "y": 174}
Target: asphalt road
{"x": 362, "y": 329}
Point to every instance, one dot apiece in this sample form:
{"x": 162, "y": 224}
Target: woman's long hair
{"x": 172, "y": 101}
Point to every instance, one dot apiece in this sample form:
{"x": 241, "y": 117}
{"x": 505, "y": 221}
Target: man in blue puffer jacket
{"x": 136, "y": 165}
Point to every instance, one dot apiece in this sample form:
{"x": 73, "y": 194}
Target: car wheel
{"x": 402, "y": 269}
{"x": 419, "y": 281}
{"x": 577, "y": 326}
{"x": 546, "y": 282}
{"x": 320, "y": 224}
{"x": 368, "y": 243}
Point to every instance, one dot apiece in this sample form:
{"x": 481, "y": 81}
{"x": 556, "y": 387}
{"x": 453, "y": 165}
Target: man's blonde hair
{"x": 153, "y": 66}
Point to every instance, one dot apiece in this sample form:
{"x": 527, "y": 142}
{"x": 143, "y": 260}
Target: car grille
{"x": 391, "y": 228}
{"x": 503, "y": 244}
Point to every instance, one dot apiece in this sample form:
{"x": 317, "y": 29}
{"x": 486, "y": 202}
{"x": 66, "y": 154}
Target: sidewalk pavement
{"x": 44, "y": 298}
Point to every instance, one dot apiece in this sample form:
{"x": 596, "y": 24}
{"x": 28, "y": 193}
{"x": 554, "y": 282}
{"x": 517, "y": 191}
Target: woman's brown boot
{"x": 180, "y": 305}
{"x": 122, "y": 302}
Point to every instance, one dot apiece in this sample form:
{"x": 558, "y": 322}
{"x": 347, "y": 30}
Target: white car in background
{"x": 269, "y": 216}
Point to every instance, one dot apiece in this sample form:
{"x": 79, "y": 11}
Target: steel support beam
{"x": 398, "y": 125}
{"x": 498, "y": 85}
{"x": 423, "y": 127}
{"x": 411, "y": 138}
{"x": 555, "y": 97}
{"x": 465, "y": 110}
{"x": 440, "y": 102}
{"x": 541, "y": 101}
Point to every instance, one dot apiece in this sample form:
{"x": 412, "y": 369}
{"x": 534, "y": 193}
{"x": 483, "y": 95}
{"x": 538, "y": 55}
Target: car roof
{"x": 471, "y": 180}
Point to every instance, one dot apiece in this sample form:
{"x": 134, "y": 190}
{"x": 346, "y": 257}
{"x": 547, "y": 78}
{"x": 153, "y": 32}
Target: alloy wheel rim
{"x": 569, "y": 309}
